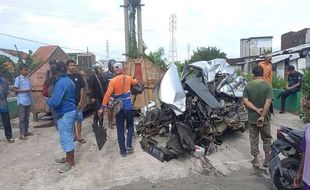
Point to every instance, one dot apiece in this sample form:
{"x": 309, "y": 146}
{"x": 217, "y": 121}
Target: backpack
{"x": 45, "y": 90}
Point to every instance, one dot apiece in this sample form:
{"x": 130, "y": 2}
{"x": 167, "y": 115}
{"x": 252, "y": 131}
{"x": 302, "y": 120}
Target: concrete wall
{"x": 292, "y": 39}
{"x": 255, "y": 46}
{"x": 308, "y": 36}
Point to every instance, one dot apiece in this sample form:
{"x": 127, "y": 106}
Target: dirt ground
{"x": 30, "y": 164}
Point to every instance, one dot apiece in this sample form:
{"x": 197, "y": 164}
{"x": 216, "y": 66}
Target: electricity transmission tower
{"x": 173, "y": 44}
{"x": 107, "y": 48}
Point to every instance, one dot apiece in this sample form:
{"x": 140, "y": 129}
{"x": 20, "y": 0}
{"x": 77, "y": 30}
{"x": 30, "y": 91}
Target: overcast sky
{"x": 200, "y": 23}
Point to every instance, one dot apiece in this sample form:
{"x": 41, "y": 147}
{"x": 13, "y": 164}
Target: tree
{"x": 205, "y": 54}
{"x": 157, "y": 58}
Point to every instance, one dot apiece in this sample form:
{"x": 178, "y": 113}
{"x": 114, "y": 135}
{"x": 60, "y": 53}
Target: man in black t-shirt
{"x": 79, "y": 93}
{"x": 294, "y": 81}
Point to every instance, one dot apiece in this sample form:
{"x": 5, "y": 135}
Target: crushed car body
{"x": 194, "y": 110}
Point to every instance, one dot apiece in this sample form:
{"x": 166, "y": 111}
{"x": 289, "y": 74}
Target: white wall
{"x": 301, "y": 64}
{"x": 280, "y": 69}
{"x": 255, "y": 46}
{"x": 308, "y": 36}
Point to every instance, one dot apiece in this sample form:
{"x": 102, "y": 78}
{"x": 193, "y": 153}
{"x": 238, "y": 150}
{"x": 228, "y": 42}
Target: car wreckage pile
{"x": 194, "y": 110}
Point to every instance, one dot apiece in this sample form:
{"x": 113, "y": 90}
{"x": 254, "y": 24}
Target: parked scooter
{"x": 283, "y": 168}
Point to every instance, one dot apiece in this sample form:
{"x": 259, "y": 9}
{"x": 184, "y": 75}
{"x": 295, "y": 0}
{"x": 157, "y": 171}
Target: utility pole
{"x": 107, "y": 50}
{"x": 139, "y": 22}
{"x": 133, "y": 16}
{"x": 172, "y": 45}
{"x": 126, "y": 28}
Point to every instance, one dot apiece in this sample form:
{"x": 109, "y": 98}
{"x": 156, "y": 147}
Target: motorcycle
{"x": 194, "y": 110}
{"x": 285, "y": 158}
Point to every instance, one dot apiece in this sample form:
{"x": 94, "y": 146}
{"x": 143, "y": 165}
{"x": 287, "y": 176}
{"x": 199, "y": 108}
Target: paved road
{"x": 29, "y": 164}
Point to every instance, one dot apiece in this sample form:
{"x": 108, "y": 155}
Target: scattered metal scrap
{"x": 206, "y": 102}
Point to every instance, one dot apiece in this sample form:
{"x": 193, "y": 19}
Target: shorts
{"x": 79, "y": 116}
{"x": 65, "y": 128}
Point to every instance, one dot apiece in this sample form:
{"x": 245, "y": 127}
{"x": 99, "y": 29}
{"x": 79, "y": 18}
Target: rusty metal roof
{"x": 14, "y": 53}
{"x": 44, "y": 52}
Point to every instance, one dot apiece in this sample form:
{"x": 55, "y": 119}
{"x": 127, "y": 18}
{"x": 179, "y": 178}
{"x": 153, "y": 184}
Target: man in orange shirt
{"x": 119, "y": 88}
{"x": 267, "y": 66}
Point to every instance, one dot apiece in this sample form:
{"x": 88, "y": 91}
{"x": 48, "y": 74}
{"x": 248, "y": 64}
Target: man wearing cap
{"x": 63, "y": 104}
{"x": 119, "y": 88}
{"x": 294, "y": 81}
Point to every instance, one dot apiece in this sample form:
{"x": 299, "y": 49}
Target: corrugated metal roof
{"x": 12, "y": 58}
{"x": 298, "y": 48}
{"x": 44, "y": 52}
{"x": 279, "y": 58}
{"x": 15, "y": 53}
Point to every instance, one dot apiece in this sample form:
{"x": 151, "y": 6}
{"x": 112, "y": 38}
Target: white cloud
{"x": 221, "y": 23}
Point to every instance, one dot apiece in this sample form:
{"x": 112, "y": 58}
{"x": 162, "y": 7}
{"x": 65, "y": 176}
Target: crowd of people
{"x": 111, "y": 90}
{"x": 63, "y": 91}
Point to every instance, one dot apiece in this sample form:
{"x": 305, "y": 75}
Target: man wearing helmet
{"x": 119, "y": 88}
{"x": 107, "y": 76}
{"x": 96, "y": 84}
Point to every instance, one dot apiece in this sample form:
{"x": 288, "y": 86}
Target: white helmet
{"x": 118, "y": 65}
{"x": 97, "y": 65}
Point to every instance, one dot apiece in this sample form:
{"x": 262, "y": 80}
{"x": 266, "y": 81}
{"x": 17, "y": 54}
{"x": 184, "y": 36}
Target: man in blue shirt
{"x": 63, "y": 104}
{"x": 294, "y": 81}
{"x": 22, "y": 88}
{"x": 4, "y": 110}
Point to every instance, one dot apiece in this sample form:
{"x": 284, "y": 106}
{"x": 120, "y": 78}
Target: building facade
{"x": 293, "y": 39}
{"x": 255, "y": 46}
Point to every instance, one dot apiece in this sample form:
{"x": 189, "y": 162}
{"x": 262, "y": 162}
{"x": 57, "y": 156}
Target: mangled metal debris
{"x": 194, "y": 110}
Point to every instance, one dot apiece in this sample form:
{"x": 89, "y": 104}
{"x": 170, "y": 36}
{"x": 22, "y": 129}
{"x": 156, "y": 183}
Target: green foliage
{"x": 133, "y": 48}
{"x": 247, "y": 76}
{"x": 180, "y": 67}
{"x": 157, "y": 58}
{"x": 7, "y": 71}
{"x": 305, "y": 88}
{"x": 3, "y": 59}
{"x": 34, "y": 64}
{"x": 206, "y": 54}
{"x": 278, "y": 82}
{"x": 239, "y": 72}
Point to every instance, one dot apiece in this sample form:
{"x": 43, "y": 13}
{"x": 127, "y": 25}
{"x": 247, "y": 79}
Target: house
{"x": 11, "y": 57}
{"x": 298, "y": 56}
{"x": 84, "y": 59}
{"x": 237, "y": 63}
{"x": 255, "y": 46}
{"x": 39, "y": 74}
{"x": 14, "y": 53}
{"x": 293, "y": 39}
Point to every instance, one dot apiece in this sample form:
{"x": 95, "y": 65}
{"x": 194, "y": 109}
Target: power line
{"x": 43, "y": 43}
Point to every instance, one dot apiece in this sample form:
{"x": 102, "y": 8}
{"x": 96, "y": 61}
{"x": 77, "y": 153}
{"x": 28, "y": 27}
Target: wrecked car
{"x": 194, "y": 110}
